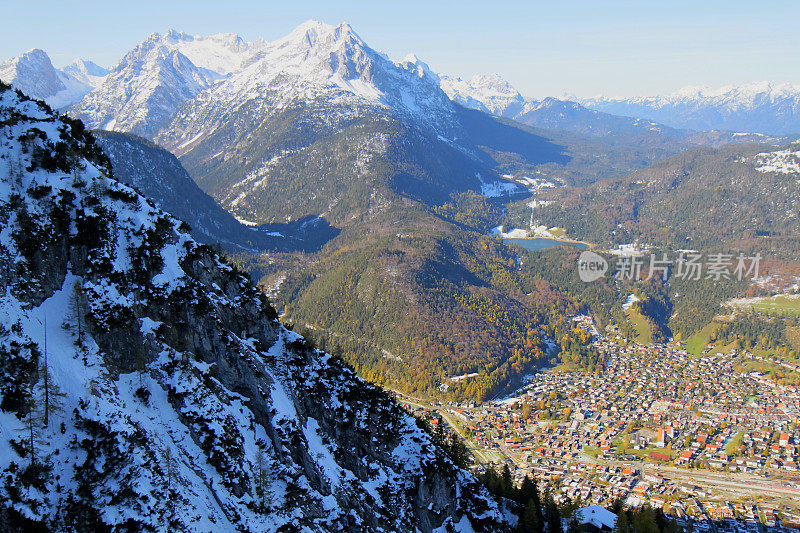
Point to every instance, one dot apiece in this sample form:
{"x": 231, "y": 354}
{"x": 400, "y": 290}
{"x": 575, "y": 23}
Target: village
{"x": 701, "y": 438}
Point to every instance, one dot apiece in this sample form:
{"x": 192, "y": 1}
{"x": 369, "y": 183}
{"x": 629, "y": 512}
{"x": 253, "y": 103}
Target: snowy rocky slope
{"x": 146, "y": 385}
{"x": 487, "y": 93}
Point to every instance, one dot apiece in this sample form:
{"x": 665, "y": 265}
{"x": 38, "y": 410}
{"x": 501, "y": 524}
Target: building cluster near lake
{"x": 708, "y": 438}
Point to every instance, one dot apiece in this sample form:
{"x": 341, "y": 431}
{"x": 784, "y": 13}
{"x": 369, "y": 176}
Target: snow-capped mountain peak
{"x": 320, "y": 52}
{"x": 33, "y": 73}
{"x": 313, "y": 32}
{"x": 145, "y": 88}
{"x": 489, "y": 93}
{"x": 757, "y": 107}
{"x": 317, "y": 61}
{"x": 414, "y": 64}
{"x": 86, "y": 72}
{"x": 221, "y": 53}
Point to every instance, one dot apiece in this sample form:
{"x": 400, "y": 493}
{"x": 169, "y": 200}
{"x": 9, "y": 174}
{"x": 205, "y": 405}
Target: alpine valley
{"x": 225, "y": 264}
{"x": 362, "y": 191}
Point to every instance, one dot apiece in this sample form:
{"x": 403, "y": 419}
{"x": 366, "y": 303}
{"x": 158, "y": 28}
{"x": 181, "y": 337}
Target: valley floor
{"x": 703, "y": 438}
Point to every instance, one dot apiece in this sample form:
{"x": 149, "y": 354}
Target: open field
{"x": 772, "y": 305}
{"x": 641, "y": 326}
{"x": 698, "y": 342}
{"x": 733, "y": 445}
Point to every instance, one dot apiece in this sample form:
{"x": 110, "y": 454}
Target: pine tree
{"x": 459, "y": 452}
{"x": 49, "y": 393}
{"x": 531, "y": 519}
{"x": 644, "y": 521}
{"x": 552, "y": 514}
{"x": 507, "y": 482}
{"x": 260, "y": 477}
{"x": 623, "y": 525}
{"x": 573, "y": 526}
{"x": 439, "y": 436}
{"x": 169, "y": 473}
{"x": 46, "y": 372}
{"x": 525, "y": 491}
{"x": 33, "y": 424}
{"x": 492, "y": 481}
{"x": 77, "y": 308}
{"x": 528, "y": 495}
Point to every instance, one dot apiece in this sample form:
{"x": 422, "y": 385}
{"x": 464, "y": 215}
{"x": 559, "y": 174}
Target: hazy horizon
{"x": 578, "y": 48}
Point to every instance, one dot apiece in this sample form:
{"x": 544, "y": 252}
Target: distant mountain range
{"x": 390, "y": 173}
{"x": 757, "y": 112}
{"x": 142, "y": 92}
{"x": 752, "y": 108}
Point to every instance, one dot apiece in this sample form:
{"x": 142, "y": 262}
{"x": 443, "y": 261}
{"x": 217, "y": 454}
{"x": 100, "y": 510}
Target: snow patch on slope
{"x": 781, "y": 161}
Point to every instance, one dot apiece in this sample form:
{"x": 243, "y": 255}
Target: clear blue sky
{"x": 586, "y": 47}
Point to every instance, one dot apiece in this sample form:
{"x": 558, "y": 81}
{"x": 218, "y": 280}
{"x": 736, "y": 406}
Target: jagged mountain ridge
{"x": 164, "y": 63}
{"x": 758, "y": 107}
{"x": 602, "y": 118}
{"x": 34, "y": 73}
{"x": 151, "y": 81}
{"x": 258, "y": 133}
{"x": 176, "y": 401}
{"x": 143, "y": 90}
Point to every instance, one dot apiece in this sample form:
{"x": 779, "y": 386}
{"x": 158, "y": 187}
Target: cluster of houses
{"x": 657, "y": 407}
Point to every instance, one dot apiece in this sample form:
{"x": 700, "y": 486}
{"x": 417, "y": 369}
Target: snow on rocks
{"x": 173, "y": 399}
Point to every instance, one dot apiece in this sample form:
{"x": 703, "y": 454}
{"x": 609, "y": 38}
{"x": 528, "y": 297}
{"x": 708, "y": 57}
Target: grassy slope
{"x": 698, "y": 342}
{"x": 778, "y": 305}
{"x": 641, "y": 326}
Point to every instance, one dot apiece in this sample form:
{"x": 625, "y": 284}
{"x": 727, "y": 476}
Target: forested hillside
{"x": 705, "y": 198}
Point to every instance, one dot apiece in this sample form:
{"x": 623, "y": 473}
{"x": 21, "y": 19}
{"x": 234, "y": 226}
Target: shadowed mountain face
{"x": 159, "y": 175}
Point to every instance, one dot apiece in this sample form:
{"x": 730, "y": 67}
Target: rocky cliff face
{"x": 33, "y": 73}
{"x": 146, "y": 385}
